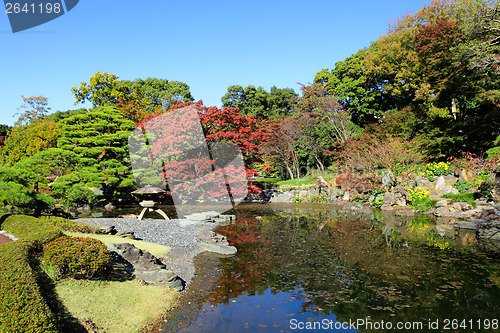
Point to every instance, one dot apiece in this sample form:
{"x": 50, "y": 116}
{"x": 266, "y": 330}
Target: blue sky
{"x": 210, "y": 45}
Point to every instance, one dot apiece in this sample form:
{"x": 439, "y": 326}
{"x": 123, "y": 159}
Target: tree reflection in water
{"x": 338, "y": 266}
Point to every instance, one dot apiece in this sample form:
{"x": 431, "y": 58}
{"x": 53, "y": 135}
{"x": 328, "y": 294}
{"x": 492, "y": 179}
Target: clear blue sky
{"x": 210, "y": 45}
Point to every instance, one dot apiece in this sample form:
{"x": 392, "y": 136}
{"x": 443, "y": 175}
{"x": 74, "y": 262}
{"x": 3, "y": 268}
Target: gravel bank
{"x": 181, "y": 235}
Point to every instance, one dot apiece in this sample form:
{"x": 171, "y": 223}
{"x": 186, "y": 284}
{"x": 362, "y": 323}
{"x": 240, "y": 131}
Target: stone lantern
{"x": 149, "y": 195}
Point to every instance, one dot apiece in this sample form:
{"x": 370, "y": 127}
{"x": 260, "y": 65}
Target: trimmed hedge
{"x": 22, "y": 307}
{"x": 77, "y": 257}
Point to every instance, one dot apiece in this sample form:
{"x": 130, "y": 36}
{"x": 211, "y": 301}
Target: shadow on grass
{"x": 120, "y": 271}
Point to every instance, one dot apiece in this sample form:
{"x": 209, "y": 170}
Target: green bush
{"x": 462, "y": 186}
{"x": 69, "y": 225}
{"x": 462, "y": 197}
{"x": 77, "y": 257}
{"x": 22, "y": 307}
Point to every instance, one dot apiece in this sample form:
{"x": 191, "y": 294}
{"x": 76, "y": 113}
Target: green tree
{"x": 99, "y": 139}
{"x": 257, "y": 102}
{"x": 359, "y": 94}
{"x": 32, "y": 132}
{"x": 135, "y": 99}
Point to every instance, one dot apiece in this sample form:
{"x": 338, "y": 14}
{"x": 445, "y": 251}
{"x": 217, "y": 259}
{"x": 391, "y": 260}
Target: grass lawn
{"x": 115, "y": 306}
{"x": 157, "y": 250}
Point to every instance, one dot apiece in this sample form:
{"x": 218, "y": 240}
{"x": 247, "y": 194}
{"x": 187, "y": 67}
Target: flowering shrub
{"x": 419, "y": 199}
{"x": 437, "y": 169}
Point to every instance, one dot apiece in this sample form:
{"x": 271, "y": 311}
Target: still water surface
{"x": 306, "y": 266}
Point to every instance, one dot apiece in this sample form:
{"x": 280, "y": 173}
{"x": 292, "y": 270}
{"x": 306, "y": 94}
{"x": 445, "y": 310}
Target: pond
{"x": 315, "y": 266}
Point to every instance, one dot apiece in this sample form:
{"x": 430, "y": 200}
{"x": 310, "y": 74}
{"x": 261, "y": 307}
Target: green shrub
{"x": 22, "y": 307}
{"x": 69, "y": 225}
{"x": 462, "y": 186}
{"x": 77, "y": 257}
{"x": 462, "y": 197}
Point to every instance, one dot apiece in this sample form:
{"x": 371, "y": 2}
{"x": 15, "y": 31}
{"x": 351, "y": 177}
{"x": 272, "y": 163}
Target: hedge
{"x": 22, "y": 307}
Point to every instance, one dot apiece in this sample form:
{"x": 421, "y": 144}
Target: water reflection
{"x": 326, "y": 266}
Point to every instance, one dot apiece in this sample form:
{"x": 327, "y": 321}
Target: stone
{"x": 421, "y": 182}
{"x": 216, "y": 248}
{"x": 126, "y": 234}
{"x": 465, "y": 175}
{"x": 440, "y": 183}
{"x": 466, "y": 206}
{"x": 490, "y": 215}
{"x": 204, "y": 216}
{"x": 457, "y": 207}
{"x": 386, "y": 207}
{"x": 208, "y": 236}
{"x": 449, "y": 189}
{"x": 286, "y": 197}
{"x": 346, "y": 196}
{"x": 146, "y": 266}
{"x": 353, "y": 205}
{"x": 388, "y": 179}
{"x": 469, "y": 225}
{"x": 401, "y": 195}
{"x": 442, "y": 211}
{"x": 442, "y": 203}
{"x": 109, "y": 230}
{"x": 109, "y": 207}
{"x": 388, "y": 199}
{"x": 489, "y": 230}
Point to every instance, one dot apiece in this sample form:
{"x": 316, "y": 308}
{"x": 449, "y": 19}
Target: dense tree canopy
{"x": 135, "y": 99}
{"x": 257, "y": 102}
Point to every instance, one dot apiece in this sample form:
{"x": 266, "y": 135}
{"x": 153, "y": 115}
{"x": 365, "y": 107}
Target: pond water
{"x": 315, "y": 266}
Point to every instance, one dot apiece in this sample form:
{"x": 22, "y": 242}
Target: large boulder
{"x": 146, "y": 266}
{"x": 388, "y": 179}
{"x": 489, "y": 230}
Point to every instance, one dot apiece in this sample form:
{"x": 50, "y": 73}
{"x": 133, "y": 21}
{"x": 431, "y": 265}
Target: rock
{"x": 303, "y": 195}
{"x": 401, "y": 195}
{"x": 353, "y": 205}
{"x": 466, "y": 206}
{"x": 108, "y": 230}
{"x": 204, "y": 217}
{"x": 161, "y": 277}
{"x": 449, "y": 189}
{"x": 440, "y": 183}
{"x": 465, "y": 175}
{"x": 386, "y": 207}
{"x": 469, "y": 225}
{"x": 442, "y": 211}
{"x": 208, "y": 236}
{"x": 216, "y": 248}
{"x": 490, "y": 215}
{"x": 84, "y": 210}
{"x": 442, "y": 203}
{"x": 146, "y": 266}
{"x": 489, "y": 230}
{"x": 388, "y": 179}
{"x": 421, "y": 182}
{"x": 388, "y": 199}
{"x": 109, "y": 207}
{"x": 126, "y": 234}
{"x": 456, "y": 207}
{"x": 286, "y": 197}
{"x": 450, "y": 179}
{"x": 346, "y": 196}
